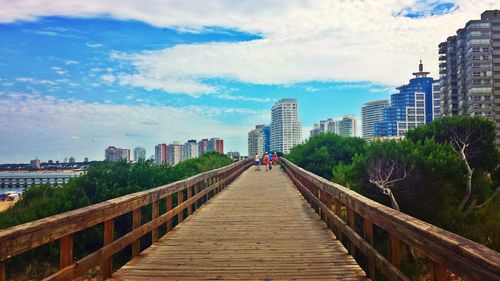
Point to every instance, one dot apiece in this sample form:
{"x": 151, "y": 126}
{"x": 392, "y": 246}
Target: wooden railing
{"x": 200, "y": 188}
{"x": 445, "y": 251}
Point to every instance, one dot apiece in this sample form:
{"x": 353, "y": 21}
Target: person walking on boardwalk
{"x": 275, "y": 158}
{"x": 266, "y": 161}
{"x": 257, "y": 162}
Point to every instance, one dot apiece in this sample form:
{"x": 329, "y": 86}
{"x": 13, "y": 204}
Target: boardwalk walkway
{"x": 259, "y": 228}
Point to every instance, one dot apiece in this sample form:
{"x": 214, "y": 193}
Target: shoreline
{"x": 40, "y": 172}
{"x": 4, "y": 205}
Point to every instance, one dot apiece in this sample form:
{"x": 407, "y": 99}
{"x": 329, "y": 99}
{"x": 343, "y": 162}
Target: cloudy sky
{"x": 77, "y": 76}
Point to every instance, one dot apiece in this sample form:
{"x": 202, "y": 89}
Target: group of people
{"x": 268, "y": 160}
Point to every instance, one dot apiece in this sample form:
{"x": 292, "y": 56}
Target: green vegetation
{"x": 446, "y": 173}
{"x": 102, "y": 181}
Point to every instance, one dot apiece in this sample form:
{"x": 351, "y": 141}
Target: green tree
{"x": 472, "y": 138}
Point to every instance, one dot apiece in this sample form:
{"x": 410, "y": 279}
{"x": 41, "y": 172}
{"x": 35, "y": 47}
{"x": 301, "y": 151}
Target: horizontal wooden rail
{"x": 21, "y": 238}
{"x": 445, "y": 250}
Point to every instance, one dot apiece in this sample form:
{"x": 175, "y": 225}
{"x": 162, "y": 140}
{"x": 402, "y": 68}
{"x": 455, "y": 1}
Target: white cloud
{"x": 68, "y": 62}
{"x": 311, "y": 89}
{"x": 110, "y": 78}
{"x": 97, "y": 45}
{"x": 46, "y": 126}
{"x": 318, "y": 40}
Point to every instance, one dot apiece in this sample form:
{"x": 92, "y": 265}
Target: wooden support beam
{"x": 189, "y": 195}
{"x": 169, "y": 207}
{"x": 136, "y": 222}
{"x": 438, "y": 272}
{"x": 395, "y": 250}
{"x": 2, "y": 271}
{"x": 180, "y": 199}
{"x": 350, "y": 222}
{"x": 368, "y": 236}
{"x": 338, "y": 212}
{"x": 66, "y": 251}
{"x": 109, "y": 236}
{"x": 155, "y": 212}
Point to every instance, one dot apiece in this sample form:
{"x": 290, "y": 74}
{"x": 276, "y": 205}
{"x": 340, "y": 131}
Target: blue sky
{"x": 78, "y": 77}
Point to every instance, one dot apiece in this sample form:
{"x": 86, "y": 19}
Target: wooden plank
{"x": 155, "y": 212}
{"x": 463, "y": 257}
{"x": 136, "y": 223}
{"x": 169, "y": 207}
{"x": 109, "y": 236}
{"x": 260, "y": 228}
{"x": 395, "y": 250}
{"x": 368, "y": 236}
{"x": 438, "y": 272}
{"x": 66, "y": 251}
{"x": 180, "y": 199}
{"x": 2, "y": 271}
{"x": 350, "y": 220}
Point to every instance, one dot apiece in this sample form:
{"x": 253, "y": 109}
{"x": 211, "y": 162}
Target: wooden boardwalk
{"x": 258, "y": 228}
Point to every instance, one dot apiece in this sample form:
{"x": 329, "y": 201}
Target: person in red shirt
{"x": 266, "y": 161}
{"x": 275, "y": 158}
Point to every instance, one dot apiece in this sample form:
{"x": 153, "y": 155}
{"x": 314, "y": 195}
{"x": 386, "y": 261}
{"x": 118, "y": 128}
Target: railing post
{"x": 66, "y": 251}
{"x": 2, "y": 271}
{"x": 189, "y": 195}
{"x": 350, "y": 221}
{"x": 338, "y": 212}
{"x": 136, "y": 222}
{"x": 395, "y": 256}
{"x": 438, "y": 272}
{"x": 196, "y": 190}
{"x": 180, "y": 216}
{"x": 368, "y": 235}
{"x": 155, "y": 212}
{"x": 109, "y": 233}
{"x": 169, "y": 207}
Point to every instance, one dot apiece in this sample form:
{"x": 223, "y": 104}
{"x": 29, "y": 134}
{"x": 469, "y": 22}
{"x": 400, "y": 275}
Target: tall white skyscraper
{"x": 371, "y": 113}
{"x": 139, "y": 153}
{"x": 190, "y": 150}
{"x": 286, "y": 130}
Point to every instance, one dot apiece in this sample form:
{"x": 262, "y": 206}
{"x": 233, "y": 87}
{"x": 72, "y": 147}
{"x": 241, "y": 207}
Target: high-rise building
{"x": 215, "y": 145}
{"x": 139, "y": 153}
{"x": 85, "y": 160}
{"x": 371, "y": 113}
{"x": 175, "y": 153}
{"x": 259, "y": 140}
{"x": 469, "y": 70}
{"x": 347, "y": 126}
{"x": 161, "y": 153}
{"x": 35, "y": 164}
{"x": 113, "y": 153}
{"x": 315, "y": 131}
{"x": 190, "y": 150}
{"x": 286, "y": 130}
{"x": 202, "y": 147}
{"x": 436, "y": 99}
{"x": 411, "y": 107}
{"x": 72, "y": 160}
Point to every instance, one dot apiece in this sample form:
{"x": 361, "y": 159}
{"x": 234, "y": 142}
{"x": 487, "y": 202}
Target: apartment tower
{"x": 371, "y": 113}
{"x": 286, "y": 130}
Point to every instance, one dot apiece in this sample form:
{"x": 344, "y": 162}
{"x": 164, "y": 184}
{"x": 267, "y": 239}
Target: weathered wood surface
{"x": 260, "y": 228}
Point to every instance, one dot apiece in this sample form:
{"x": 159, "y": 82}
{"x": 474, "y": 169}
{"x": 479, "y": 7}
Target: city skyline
{"x": 77, "y": 78}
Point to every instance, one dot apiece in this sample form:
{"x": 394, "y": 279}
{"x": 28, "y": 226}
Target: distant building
{"x": 35, "y": 164}
{"x": 315, "y": 131}
{"x": 286, "y": 130}
{"x": 139, "y": 153}
{"x": 371, "y": 113}
{"x": 50, "y": 162}
{"x": 259, "y": 140}
{"x": 72, "y": 160}
{"x": 190, "y": 150}
{"x": 469, "y": 70}
{"x": 175, "y": 153}
{"x": 347, "y": 126}
{"x": 161, "y": 154}
{"x": 113, "y": 153}
{"x": 410, "y": 108}
{"x": 235, "y": 156}
{"x": 202, "y": 147}
{"x": 436, "y": 99}
{"x": 85, "y": 160}
{"x": 215, "y": 145}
